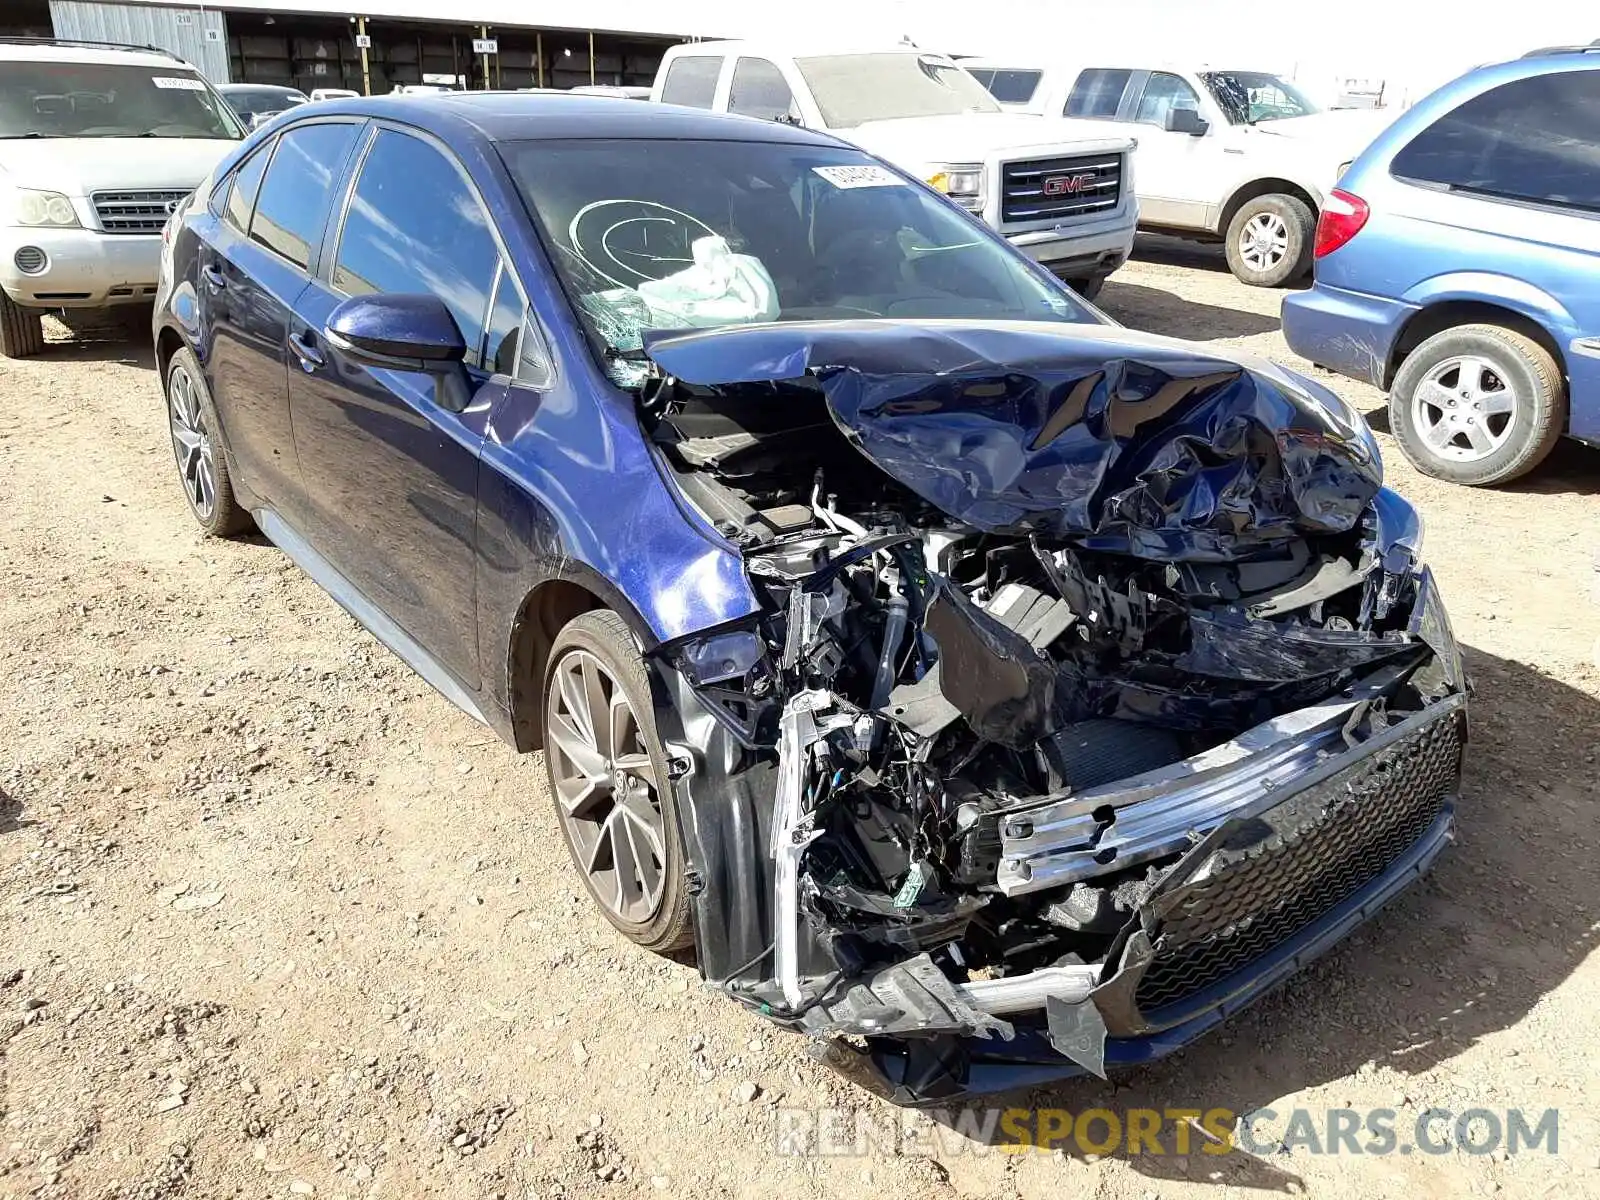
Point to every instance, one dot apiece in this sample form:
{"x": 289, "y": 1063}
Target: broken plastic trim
{"x": 1161, "y": 812}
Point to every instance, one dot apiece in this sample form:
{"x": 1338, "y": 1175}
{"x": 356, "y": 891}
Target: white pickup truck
{"x": 1061, "y": 191}
{"x": 1244, "y": 156}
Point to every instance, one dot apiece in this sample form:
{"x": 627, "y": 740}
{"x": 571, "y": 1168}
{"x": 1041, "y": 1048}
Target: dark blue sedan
{"x": 988, "y": 690}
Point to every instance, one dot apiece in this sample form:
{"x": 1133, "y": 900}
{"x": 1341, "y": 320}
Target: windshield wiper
{"x": 32, "y": 133}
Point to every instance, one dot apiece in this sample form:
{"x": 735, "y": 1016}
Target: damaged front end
{"x": 1097, "y": 686}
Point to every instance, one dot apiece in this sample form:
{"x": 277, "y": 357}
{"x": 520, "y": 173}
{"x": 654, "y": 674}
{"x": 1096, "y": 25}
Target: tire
{"x": 1291, "y": 221}
{"x": 21, "y": 330}
{"x": 1087, "y": 287}
{"x": 196, "y": 436}
{"x": 597, "y": 647}
{"x": 1502, "y": 405}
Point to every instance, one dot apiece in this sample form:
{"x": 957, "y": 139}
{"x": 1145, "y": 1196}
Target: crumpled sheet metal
{"x": 1120, "y": 441}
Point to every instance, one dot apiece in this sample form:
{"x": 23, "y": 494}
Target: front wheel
{"x": 21, "y": 330}
{"x": 608, "y": 777}
{"x": 1269, "y": 240}
{"x": 1478, "y": 404}
{"x": 1087, "y": 286}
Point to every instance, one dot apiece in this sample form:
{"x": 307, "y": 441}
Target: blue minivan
{"x": 1458, "y": 267}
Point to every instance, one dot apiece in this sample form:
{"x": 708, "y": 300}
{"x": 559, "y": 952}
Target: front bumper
{"x": 83, "y": 268}
{"x": 1348, "y": 332}
{"x": 1260, "y": 896}
{"x": 1082, "y": 250}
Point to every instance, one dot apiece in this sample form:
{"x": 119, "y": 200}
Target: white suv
{"x": 1244, "y": 156}
{"x": 98, "y": 143}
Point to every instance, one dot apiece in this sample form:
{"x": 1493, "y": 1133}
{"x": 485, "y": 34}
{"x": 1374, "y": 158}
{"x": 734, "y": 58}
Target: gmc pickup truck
{"x": 1061, "y": 191}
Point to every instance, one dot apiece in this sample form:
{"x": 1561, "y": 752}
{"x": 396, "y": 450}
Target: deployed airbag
{"x": 1120, "y": 441}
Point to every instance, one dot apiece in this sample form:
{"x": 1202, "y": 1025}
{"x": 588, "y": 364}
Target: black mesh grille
{"x": 136, "y": 212}
{"x": 1326, "y": 842}
{"x": 1052, "y": 188}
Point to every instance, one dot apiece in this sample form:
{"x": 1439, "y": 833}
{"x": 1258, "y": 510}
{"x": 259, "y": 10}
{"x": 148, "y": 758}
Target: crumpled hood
{"x": 1116, "y": 440}
{"x": 80, "y": 166}
{"x": 1338, "y": 132}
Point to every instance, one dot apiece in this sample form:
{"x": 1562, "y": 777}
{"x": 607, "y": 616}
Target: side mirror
{"x": 1185, "y": 120}
{"x": 401, "y": 332}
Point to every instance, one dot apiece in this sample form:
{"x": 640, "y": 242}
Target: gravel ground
{"x": 278, "y": 921}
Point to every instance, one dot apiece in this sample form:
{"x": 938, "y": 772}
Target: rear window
{"x": 1098, "y": 93}
{"x": 1009, "y": 86}
{"x": 691, "y": 81}
{"x": 1535, "y": 139}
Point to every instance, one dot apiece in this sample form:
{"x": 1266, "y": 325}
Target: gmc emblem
{"x": 1067, "y": 185}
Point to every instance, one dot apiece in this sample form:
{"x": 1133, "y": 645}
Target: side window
{"x": 242, "y": 189}
{"x": 414, "y": 225}
{"x": 1013, "y": 87}
{"x": 692, "y": 81}
{"x": 1097, "y": 93}
{"x": 1163, "y": 93}
{"x": 297, "y": 193}
{"x": 1533, "y": 139}
{"x": 759, "y": 90}
{"x": 503, "y": 331}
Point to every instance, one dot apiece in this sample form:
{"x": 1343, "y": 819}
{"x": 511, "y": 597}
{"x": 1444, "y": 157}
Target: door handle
{"x": 310, "y": 357}
{"x": 214, "y": 277}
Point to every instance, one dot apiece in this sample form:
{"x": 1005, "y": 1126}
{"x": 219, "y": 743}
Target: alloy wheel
{"x": 607, "y": 793}
{"x": 191, "y": 443}
{"x": 1264, "y": 241}
{"x": 1464, "y": 409}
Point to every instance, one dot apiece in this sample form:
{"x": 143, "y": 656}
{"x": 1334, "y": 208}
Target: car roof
{"x": 225, "y": 88}
{"x": 800, "y": 47}
{"x": 564, "y": 116}
{"x": 29, "y": 50}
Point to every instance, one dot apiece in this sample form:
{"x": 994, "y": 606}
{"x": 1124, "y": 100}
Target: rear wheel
{"x": 197, "y": 446}
{"x": 609, "y": 780}
{"x": 21, "y": 329}
{"x": 1478, "y": 404}
{"x": 1269, "y": 240}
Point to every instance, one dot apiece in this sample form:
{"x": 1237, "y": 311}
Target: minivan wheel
{"x": 1478, "y": 404}
{"x": 1269, "y": 240}
{"x": 609, "y": 781}
{"x": 197, "y": 446}
{"x": 21, "y": 330}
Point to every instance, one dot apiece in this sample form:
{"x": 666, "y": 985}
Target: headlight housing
{"x": 962, "y": 182}
{"x": 36, "y": 209}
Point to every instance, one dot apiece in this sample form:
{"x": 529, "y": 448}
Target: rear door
{"x": 1508, "y": 184}
{"x": 392, "y": 474}
{"x": 274, "y": 213}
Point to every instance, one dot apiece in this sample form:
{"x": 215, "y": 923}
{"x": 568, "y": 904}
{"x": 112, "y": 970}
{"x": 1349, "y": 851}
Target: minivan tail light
{"x": 1343, "y": 215}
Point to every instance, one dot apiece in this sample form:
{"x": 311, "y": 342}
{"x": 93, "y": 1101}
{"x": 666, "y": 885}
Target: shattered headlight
{"x": 37, "y": 209}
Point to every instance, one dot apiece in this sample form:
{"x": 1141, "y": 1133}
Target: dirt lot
{"x": 279, "y": 921}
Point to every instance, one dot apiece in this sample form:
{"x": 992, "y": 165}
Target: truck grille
{"x": 1327, "y": 841}
{"x": 135, "y": 212}
{"x": 1044, "y": 189}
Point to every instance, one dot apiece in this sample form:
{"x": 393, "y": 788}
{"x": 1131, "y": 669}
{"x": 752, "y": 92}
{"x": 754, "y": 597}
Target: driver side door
{"x": 391, "y": 472}
{"x": 1180, "y": 176}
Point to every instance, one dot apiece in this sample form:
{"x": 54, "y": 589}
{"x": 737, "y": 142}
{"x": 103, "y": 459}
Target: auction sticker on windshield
{"x": 178, "y": 82}
{"x": 859, "y": 177}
